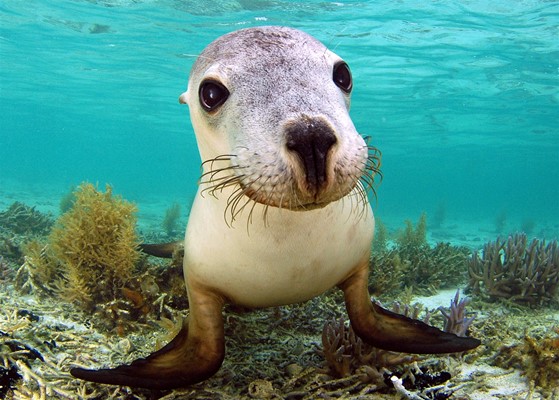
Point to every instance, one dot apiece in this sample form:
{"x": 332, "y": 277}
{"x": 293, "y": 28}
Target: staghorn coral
{"x": 516, "y": 270}
{"x": 90, "y": 254}
{"x": 380, "y": 240}
{"x": 538, "y": 359}
{"x": 542, "y": 362}
{"x": 415, "y": 264}
{"x": 455, "y": 318}
{"x": 414, "y": 237}
{"x": 22, "y": 219}
{"x": 345, "y": 353}
{"x": 425, "y": 269}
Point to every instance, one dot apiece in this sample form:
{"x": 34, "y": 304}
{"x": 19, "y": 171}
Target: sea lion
{"x": 281, "y": 213}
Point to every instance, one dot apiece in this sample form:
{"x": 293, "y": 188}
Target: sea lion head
{"x": 269, "y": 106}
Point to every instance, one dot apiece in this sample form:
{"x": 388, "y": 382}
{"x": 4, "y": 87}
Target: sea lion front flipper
{"x": 390, "y": 331}
{"x": 194, "y": 355}
{"x": 162, "y": 250}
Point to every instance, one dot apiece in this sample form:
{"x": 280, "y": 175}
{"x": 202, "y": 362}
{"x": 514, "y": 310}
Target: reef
{"x": 18, "y": 224}
{"x": 90, "y": 254}
{"x": 538, "y": 358}
{"x": 516, "y": 270}
{"x": 542, "y": 364}
{"x": 455, "y": 317}
{"x": 347, "y": 355}
{"x": 413, "y": 263}
{"x": 91, "y": 259}
{"x": 22, "y": 219}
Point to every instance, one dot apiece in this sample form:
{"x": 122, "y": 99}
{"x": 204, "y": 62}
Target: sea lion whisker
{"x": 221, "y": 186}
{"x": 209, "y": 163}
{"x": 250, "y": 213}
{"x": 362, "y": 199}
{"x": 248, "y": 188}
{"x": 213, "y": 172}
{"x": 222, "y": 157}
{"x": 271, "y": 194}
{"x": 232, "y": 200}
{"x": 217, "y": 181}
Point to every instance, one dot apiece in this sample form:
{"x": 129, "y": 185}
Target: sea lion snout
{"x": 311, "y": 141}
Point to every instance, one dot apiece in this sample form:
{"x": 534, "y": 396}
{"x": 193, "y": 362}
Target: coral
{"x": 542, "y": 361}
{"x": 538, "y": 359}
{"x": 420, "y": 267}
{"x": 40, "y": 270}
{"x": 516, "y": 270}
{"x": 345, "y": 353}
{"x": 411, "y": 237}
{"x": 22, "y": 219}
{"x": 171, "y": 219}
{"x": 455, "y": 318}
{"x": 5, "y": 271}
{"x": 414, "y": 263}
{"x": 91, "y": 252}
{"x": 386, "y": 276}
{"x": 381, "y": 237}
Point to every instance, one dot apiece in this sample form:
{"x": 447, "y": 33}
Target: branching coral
{"x": 455, "y": 318}
{"x": 516, "y": 270}
{"x": 381, "y": 238}
{"x": 414, "y": 237}
{"x": 421, "y": 267}
{"x": 345, "y": 352}
{"x": 414, "y": 263}
{"x": 537, "y": 358}
{"x": 22, "y": 219}
{"x": 91, "y": 252}
{"x": 542, "y": 362}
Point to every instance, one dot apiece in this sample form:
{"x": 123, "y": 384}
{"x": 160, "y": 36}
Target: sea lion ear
{"x": 182, "y": 98}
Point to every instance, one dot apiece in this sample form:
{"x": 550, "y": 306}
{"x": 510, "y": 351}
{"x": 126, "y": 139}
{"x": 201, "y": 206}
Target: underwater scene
{"x": 457, "y": 103}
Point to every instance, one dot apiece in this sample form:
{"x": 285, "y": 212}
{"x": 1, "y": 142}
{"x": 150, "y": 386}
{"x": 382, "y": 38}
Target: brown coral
{"x": 22, "y": 219}
{"x": 421, "y": 267}
{"x": 516, "y": 270}
{"x": 542, "y": 364}
{"x": 345, "y": 352}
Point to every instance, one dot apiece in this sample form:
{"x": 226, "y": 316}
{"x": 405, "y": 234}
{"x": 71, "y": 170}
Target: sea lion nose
{"x": 311, "y": 140}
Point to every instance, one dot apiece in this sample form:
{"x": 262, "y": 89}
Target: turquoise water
{"x": 460, "y": 96}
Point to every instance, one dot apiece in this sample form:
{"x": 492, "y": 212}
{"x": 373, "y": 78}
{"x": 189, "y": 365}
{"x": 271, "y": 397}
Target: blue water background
{"x": 461, "y": 96}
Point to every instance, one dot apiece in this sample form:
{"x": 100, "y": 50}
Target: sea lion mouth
{"x": 223, "y": 176}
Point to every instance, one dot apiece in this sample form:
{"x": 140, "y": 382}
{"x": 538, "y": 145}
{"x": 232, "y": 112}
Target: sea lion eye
{"x": 212, "y": 94}
{"x": 342, "y": 76}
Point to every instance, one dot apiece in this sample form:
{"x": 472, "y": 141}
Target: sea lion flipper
{"x": 399, "y": 333}
{"x": 391, "y": 331}
{"x": 194, "y": 355}
{"x": 162, "y": 250}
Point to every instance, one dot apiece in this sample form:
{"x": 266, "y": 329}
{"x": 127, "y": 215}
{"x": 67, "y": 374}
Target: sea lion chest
{"x": 284, "y": 258}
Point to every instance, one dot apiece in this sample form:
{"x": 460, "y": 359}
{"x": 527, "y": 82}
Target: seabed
{"x": 272, "y": 353}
